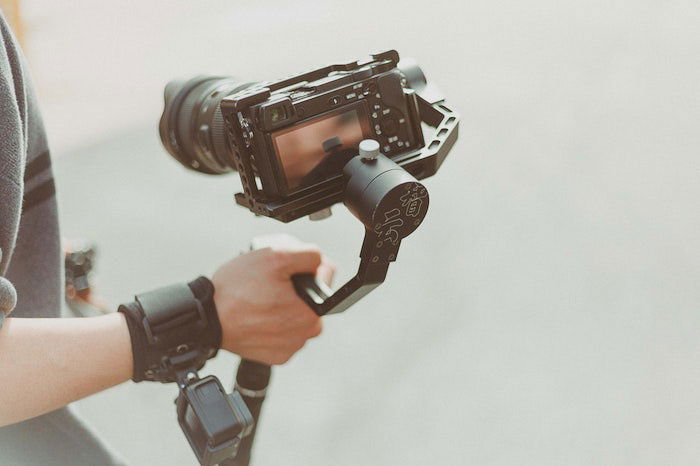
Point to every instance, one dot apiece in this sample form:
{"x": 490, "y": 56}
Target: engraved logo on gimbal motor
{"x": 388, "y": 231}
{"x": 412, "y": 200}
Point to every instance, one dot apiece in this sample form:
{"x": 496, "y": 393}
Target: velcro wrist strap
{"x": 168, "y": 313}
{"x": 173, "y": 330}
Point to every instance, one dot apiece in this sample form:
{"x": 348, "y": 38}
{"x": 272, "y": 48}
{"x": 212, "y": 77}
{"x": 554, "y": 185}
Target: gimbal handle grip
{"x": 251, "y": 382}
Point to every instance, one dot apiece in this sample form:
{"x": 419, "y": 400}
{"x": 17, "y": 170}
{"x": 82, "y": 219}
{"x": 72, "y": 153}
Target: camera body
{"x": 282, "y": 129}
{"x": 290, "y": 139}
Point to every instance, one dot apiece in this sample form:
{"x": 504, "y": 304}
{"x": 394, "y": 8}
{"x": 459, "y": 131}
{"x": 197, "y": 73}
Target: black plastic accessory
{"x": 174, "y": 330}
{"x": 214, "y": 422}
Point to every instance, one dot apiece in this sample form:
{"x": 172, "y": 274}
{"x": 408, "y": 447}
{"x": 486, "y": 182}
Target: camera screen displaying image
{"x": 319, "y": 148}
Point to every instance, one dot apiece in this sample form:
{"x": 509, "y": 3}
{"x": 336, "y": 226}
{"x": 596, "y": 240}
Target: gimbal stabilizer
{"x": 391, "y": 204}
{"x": 295, "y": 144}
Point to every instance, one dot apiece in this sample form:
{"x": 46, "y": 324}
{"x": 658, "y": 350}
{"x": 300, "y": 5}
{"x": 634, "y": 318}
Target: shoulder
{"x": 13, "y": 105}
{"x": 13, "y": 141}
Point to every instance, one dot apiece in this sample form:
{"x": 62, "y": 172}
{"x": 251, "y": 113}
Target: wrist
{"x": 115, "y": 326}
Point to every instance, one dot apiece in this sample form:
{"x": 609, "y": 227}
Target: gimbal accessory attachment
{"x": 174, "y": 330}
{"x": 214, "y": 422}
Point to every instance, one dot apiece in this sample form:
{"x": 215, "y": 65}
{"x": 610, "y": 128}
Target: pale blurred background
{"x": 547, "y": 312}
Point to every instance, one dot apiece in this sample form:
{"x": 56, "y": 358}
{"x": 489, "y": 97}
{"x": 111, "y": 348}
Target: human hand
{"x": 262, "y": 317}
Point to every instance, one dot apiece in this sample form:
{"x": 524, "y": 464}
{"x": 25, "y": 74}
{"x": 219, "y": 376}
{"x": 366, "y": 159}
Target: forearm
{"x": 47, "y": 363}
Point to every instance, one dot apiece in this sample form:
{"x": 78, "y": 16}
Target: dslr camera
{"x": 290, "y": 139}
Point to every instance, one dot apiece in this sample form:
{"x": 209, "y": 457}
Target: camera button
{"x": 390, "y": 126}
{"x": 335, "y": 100}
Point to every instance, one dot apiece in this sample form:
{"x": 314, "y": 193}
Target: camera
{"x": 290, "y": 139}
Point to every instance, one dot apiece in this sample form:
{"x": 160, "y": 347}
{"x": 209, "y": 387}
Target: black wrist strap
{"x": 173, "y": 330}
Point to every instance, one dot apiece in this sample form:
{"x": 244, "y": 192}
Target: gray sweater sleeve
{"x": 31, "y": 259}
{"x": 13, "y": 144}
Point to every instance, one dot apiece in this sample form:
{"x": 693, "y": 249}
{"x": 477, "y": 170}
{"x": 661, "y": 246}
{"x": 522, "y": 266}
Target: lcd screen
{"x": 319, "y": 148}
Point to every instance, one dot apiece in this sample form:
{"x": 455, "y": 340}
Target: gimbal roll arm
{"x": 322, "y": 301}
{"x": 391, "y": 204}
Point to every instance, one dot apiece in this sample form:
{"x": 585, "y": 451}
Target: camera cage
{"x": 428, "y": 108}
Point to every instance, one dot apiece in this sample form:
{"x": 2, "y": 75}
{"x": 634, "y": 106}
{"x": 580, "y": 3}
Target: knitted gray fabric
{"x": 31, "y": 261}
{"x": 8, "y": 298}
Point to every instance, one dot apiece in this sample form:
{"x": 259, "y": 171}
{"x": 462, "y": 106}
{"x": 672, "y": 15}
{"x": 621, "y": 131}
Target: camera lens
{"x": 192, "y": 128}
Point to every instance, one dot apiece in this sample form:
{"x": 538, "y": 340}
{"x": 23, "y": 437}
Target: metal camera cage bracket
{"x": 420, "y": 163}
